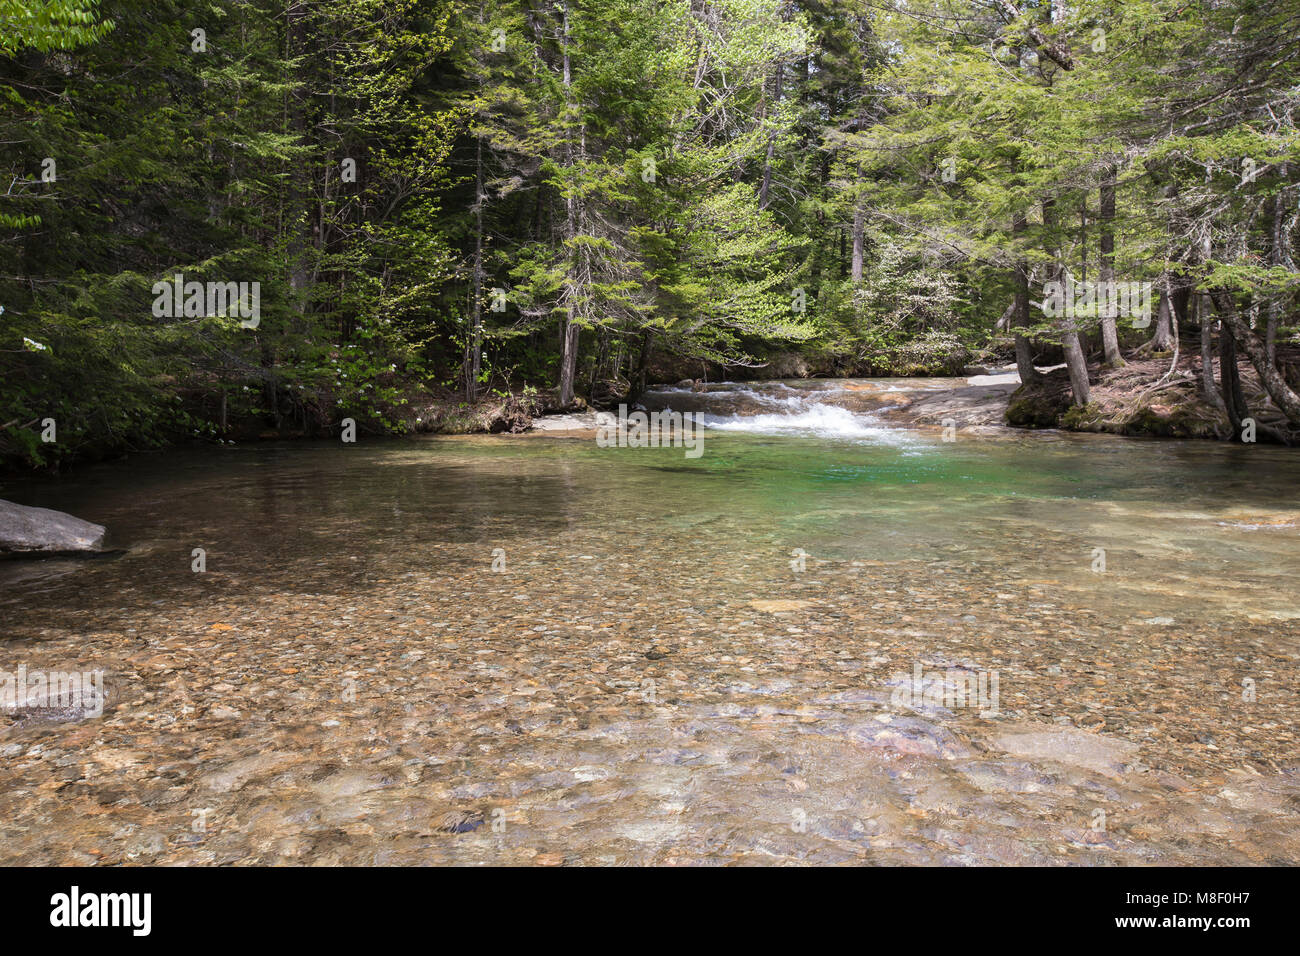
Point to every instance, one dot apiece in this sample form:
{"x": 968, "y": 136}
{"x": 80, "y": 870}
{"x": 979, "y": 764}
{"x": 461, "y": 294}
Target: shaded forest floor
{"x": 1145, "y": 396}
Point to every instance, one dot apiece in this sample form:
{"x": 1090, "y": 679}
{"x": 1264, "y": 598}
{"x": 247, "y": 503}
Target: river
{"x": 534, "y": 649}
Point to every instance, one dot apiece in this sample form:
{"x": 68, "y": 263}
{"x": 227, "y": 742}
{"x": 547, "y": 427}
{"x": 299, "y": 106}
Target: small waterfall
{"x": 841, "y": 409}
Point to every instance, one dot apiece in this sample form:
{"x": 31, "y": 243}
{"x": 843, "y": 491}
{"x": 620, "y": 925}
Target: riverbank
{"x": 1143, "y": 398}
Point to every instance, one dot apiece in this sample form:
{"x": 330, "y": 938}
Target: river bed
{"x": 534, "y": 649}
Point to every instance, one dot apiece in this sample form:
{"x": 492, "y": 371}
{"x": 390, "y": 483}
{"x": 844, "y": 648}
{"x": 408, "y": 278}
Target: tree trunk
{"x": 1208, "y": 390}
{"x": 1181, "y": 300}
{"x": 766, "y": 186}
{"x": 642, "y": 363}
{"x": 1163, "y": 340}
{"x": 569, "y": 352}
{"x": 1278, "y": 257}
{"x": 1024, "y": 353}
{"x": 301, "y": 207}
{"x": 1274, "y": 383}
{"x": 568, "y": 361}
{"x": 474, "y": 354}
{"x": 858, "y": 238}
{"x": 1008, "y": 316}
{"x": 1109, "y": 332}
{"x": 1076, "y": 363}
{"x": 602, "y": 359}
{"x": 1234, "y": 402}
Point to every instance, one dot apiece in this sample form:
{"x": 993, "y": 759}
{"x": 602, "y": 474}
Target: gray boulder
{"x": 37, "y": 531}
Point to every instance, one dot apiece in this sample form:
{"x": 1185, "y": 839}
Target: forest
{"x": 649, "y": 433}
{"x": 550, "y": 204}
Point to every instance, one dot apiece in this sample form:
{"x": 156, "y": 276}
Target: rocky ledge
{"x": 982, "y": 401}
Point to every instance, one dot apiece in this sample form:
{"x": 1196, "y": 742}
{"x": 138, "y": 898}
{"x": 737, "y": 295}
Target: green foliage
{"x": 718, "y": 179}
{"x": 48, "y": 25}
{"x": 901, "y": 319}
{"x": 222, "y": 164}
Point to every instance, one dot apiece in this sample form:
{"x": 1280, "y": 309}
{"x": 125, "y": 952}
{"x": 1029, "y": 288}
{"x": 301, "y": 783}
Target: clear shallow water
{"x": 649, "y": 680}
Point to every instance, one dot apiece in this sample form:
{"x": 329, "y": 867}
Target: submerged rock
{"x": 37, "y": 531}
{"x": 1068, "y": 745}
{"x": 460, "y": 821}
